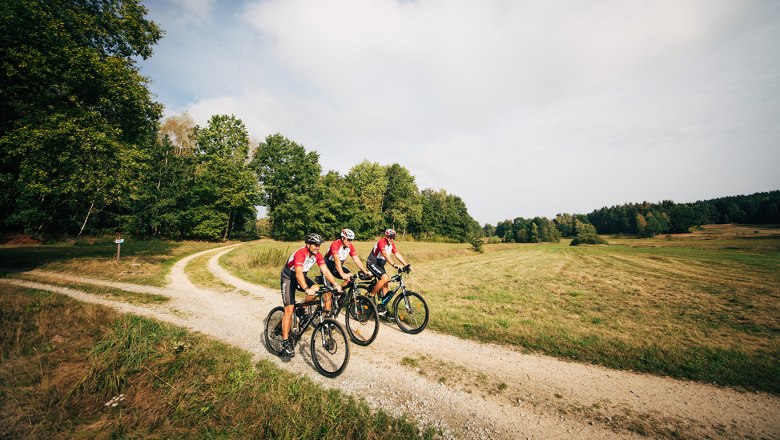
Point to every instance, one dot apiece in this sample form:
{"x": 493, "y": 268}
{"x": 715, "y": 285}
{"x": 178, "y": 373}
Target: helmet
{"x": 348, "y": 234}
{"x": 313, "y": 239}
{"x": 390, "y": 233}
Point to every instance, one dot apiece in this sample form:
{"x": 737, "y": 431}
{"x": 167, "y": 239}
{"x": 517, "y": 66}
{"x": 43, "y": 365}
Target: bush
{"x": 588, "y": 239}
{"x": 476, "y": 243}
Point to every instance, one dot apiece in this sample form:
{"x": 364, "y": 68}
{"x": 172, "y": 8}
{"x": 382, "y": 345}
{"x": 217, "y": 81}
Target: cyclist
{"x": 337, "y": 254}
{"x": 379, "y": 256}
{"x": 294, "y": 277}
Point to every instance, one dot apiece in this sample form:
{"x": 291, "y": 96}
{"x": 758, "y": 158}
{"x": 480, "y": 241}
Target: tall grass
{"x": 91, "y": 373}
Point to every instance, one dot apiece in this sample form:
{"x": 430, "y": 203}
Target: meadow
{"x": 702, "y": 306}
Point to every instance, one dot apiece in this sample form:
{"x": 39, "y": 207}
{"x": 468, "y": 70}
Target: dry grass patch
{"x": 72, "y": 370}
{"x": 198, "y": 272}
{"x": 141, "y": 262}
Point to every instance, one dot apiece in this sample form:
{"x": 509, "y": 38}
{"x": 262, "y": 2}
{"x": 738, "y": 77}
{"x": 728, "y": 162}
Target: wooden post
{"x": 118, "y": 242}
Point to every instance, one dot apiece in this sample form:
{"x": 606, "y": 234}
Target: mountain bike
{"x": 409, "y": 309}
{"x": 329, "y": 344}
{"x": 360, "y": 315}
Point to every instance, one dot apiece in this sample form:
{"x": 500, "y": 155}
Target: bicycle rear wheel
{"x": 273, "y": 330}
{"x": 329, "y": 348}
{"x": 361, "y": 319}
{"x": 411, "y": 312}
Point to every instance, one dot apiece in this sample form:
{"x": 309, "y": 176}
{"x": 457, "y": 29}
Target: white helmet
{"x": 348, "y": 234}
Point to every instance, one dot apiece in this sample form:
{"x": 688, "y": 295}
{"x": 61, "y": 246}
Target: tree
{"x": 286, "y": 173}
{"x": 225, "y": 188}
{"x": 76, "y": 117}
{"x": 163, "y": 195}
{"x": 401, "y": 203}
{"x": 180, "y": 131}
{"x": 368, "y": 183}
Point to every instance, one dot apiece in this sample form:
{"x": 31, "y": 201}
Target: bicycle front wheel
{"x": 411, "y": 312}
{"x": 273, "y": 330}
{"x": 361, "y": 319}
{"x": 329, "y": 348}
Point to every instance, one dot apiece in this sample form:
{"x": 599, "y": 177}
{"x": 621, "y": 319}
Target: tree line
{"x": 649, "y": 219}
{"x": 83, "y": 149}
{"x": 643, "y": 219}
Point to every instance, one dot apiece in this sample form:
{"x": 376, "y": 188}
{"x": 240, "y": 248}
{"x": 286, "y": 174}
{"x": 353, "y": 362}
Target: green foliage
{"x": 401, "y": 205}
{"x": 368, "y": 199}
{"x": 76, "y": 114}
{"x": 588, "y": 239}
{"x": 446, "y": 215}
{"x": 649, "y": 219}
{"x": 224, "y": 187}
{"x": 477, "y": 244}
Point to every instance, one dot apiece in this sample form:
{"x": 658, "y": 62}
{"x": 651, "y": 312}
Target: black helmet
{"x": 390, "y": 233}
{"x": 313, "y": 239}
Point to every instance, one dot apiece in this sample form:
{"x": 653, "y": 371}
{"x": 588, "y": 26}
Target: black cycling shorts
{"x": 288, "y": 287}
{"x": 332, "y": 268}
{"x": 377, "y": 266}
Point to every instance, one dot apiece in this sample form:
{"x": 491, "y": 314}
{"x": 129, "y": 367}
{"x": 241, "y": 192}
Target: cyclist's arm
{"x": 400, "y": 258}
{"x": 340, "y": 270}
{"x": 387, "y": 255}
{"x": 302, "y": 280}
{"x": 329, "y": 277}
{"x": 359, "y": 263}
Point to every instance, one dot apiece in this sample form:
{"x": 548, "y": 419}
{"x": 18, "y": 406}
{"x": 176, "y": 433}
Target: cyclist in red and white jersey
{"x": 379, "y": 256}
{"x": 294, "y": 278}
{"x": 337, "y": 254}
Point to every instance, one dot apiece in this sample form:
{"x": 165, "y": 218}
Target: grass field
{"x": 75, "y": 370}
{"x": 704, "y": 305}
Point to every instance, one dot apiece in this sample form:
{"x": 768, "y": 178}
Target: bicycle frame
{"x": 384, "y": 300}
{"x": 298, "y": 327}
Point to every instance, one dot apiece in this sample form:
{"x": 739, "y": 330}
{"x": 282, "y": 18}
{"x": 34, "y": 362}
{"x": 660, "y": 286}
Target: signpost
{"x": 118, "y": 242}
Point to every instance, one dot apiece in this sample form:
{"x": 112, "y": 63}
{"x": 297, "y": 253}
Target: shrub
{"x": 588, "y": 239}
{"x": 476, "y": 243}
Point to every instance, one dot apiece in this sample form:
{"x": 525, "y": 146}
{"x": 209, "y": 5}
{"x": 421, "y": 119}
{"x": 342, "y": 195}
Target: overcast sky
{"x": 520, "y": 108}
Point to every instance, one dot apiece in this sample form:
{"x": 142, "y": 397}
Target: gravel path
{"x": 463, "y": 388}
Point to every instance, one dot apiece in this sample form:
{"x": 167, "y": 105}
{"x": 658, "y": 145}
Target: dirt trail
{"x": 463, "y": 388}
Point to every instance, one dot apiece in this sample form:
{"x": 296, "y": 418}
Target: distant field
{"x": 704, "y": 305}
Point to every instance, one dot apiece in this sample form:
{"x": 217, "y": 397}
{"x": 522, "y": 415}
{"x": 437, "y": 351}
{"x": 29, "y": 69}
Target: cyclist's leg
{"x": 377, "y": 267}
{"x": 288, "y": 299}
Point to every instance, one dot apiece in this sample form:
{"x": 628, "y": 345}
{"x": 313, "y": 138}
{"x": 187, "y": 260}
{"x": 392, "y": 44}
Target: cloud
{"x": 521, "y": 108}
{"x": 186, "y": 12}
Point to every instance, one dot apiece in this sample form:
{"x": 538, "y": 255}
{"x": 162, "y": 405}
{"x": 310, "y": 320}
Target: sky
{"x": 521, "y": 108}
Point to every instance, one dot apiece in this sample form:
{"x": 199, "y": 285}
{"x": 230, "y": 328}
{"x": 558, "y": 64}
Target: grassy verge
{"x": 76, "y": 370}
{"x": 141, "y": 262}
{"x": 110, "y": 292}
{"x": 698, "y": 306}
{"x": 197, "y": 271}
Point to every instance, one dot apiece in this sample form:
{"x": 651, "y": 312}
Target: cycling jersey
{"x": 338, "y": 248}
{"x": 382, "y": 243}
{"x": 303, "y": 258}
{"x": 289, "y": 283}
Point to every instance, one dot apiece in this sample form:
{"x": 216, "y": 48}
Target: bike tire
{"x": 273, "y": 331}
{"x": 362, "y": 320}
{"x": 411, "y": 312}
{"x": 329, "y": 348}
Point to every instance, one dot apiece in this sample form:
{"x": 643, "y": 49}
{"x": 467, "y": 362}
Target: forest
{"x": 642, "y": 219}
{"x": 84, "y": 149}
